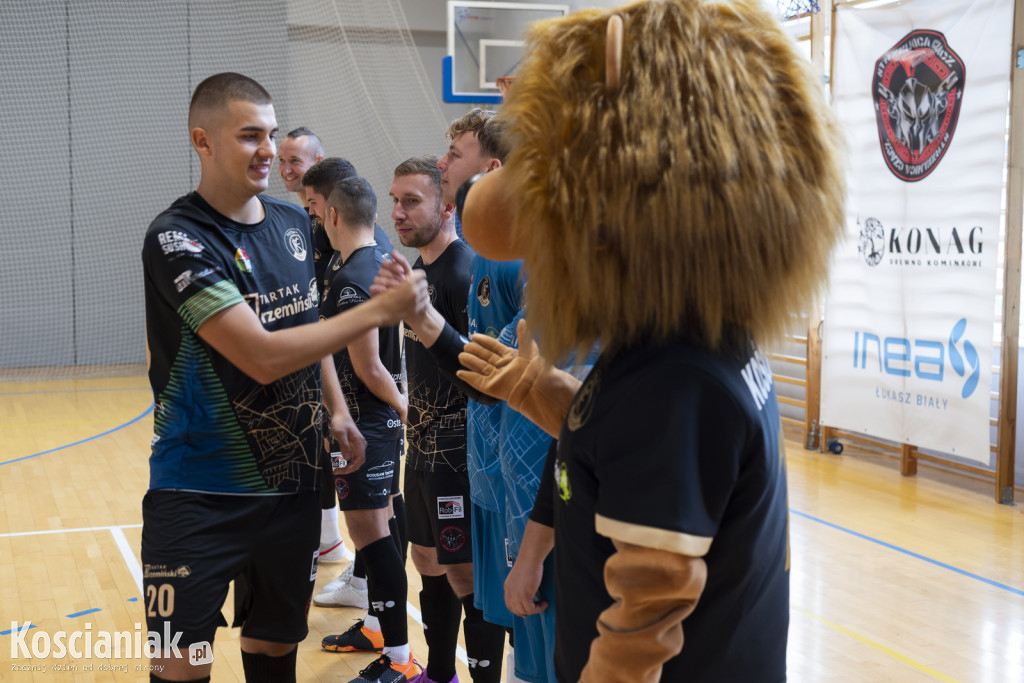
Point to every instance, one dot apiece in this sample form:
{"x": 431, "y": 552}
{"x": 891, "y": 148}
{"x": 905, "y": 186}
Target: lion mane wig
{"x": 705, "y": 191}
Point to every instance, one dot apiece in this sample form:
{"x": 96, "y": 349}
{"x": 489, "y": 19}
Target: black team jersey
{"x": 215, "y": 428}
{"x": 323, "y": 252}
{"x": 436, "y": 433}
{"x": 349, "y": 285}
{"x": 685, "y": 442}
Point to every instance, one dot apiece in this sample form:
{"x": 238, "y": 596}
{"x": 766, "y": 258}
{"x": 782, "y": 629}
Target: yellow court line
{"x": 878, "y": 646}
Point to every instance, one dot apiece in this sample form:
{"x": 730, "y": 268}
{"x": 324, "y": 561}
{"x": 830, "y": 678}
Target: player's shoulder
{"x": 284, "y": 209}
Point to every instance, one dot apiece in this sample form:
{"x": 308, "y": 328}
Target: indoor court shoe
{"x": 344, "y": 596}
{"x": 383, "y": 670}
{"x": 424, "y": 678}
{"x": 357, "y": 639}
{"x": 342, "y": 579}
{"x": 332, "y": 553}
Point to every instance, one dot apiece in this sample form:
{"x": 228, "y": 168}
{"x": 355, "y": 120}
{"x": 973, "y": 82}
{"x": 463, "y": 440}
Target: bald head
{"x": 211, "y": 98}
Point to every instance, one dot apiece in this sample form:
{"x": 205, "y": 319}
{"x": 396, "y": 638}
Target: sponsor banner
{"x": 921, "y": 91}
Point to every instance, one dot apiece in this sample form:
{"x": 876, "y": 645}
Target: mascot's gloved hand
{"x": 523, "y": 378}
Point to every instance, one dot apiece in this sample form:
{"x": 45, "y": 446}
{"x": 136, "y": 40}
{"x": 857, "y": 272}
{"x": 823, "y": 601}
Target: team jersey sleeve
{"x": 186, "y": 274}
{"x": 669, "y": 461}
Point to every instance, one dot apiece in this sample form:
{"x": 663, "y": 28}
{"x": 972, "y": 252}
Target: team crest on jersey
{"x": 296, "y": 243}
{"x": 583, "y": 405}
{"x": 918, "y": 86}
{"x": 431, "y": 293}
{"x": 452, "y": 538}
{"x": 242, "y": 261}
{"x": 483, "y": 291}
{"x": 450, "y": 507}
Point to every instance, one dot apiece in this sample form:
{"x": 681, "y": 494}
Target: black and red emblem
{"x": 917, "y": 89}
{"x": 452, "y": 538}
{"x": 341, "y": 486}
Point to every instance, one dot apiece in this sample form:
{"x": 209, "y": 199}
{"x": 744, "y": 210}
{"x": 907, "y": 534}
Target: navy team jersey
{"x": 215, "y": 428}
{"x": 684, "y": 441}
{"x": 436, "y": 434}
{"x": 349, "y": 286}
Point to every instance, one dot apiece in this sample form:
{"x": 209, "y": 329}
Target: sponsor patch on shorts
{"x": 452, "y": 538}
{"x": 312, "y": 570}
{"x": 450, "y": 507}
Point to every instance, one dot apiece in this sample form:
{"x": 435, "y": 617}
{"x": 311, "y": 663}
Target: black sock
{"x": 267, "y": 669}
{"x": 358, "y": 567}
{"x": 441, "y": 611}
{"x": 485, "y": 644}
{"x": 397, "y": 526}
{"x": 388, "y": 590}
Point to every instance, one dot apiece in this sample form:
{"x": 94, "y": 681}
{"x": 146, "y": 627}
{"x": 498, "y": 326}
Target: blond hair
{"x": 705, "y": 192}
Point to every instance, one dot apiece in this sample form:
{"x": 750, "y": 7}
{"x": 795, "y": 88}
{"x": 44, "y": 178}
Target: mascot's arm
{"x": 531, "y": 385}
{"x": 654, "y": 590}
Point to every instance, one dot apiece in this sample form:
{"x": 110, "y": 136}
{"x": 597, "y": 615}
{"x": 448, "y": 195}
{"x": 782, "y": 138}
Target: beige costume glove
{"x": 654, "y": 590}
{"x": 530, "y": 384}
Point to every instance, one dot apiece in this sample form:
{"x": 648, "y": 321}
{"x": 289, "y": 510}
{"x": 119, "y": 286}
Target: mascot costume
{"x": 675, "y": 188}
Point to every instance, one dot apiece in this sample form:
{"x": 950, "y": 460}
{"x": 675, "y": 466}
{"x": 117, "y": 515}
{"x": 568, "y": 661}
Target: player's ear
{"x": 493, "y": 165}
{"x": 200, "y": 141}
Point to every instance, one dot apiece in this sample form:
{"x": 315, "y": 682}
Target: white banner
{"x": 921, "y": 91}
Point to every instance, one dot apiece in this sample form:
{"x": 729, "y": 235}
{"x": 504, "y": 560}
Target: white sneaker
{"x": 343, "y": 578}
{"x": 344, "y": 596}
{"x": 333, "y": 553}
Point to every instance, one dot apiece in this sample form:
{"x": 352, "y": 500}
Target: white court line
{"x": 129, "y": 556}
{"x": 70, "y": 531}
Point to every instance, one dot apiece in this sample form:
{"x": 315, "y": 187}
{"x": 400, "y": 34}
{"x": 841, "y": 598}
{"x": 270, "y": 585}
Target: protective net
{"x": 791, "y": 9}
{"x": 94, "y": 108}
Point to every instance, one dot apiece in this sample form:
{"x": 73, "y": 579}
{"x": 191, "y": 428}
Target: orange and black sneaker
{"x": 383, "y": 670}
{"x": 357, "y": 639}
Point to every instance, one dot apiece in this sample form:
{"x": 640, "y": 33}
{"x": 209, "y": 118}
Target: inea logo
{"x": 922, "y": 358}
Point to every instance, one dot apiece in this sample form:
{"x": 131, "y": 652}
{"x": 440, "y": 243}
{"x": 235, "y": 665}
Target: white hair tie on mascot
{"x": 676, "y": 203}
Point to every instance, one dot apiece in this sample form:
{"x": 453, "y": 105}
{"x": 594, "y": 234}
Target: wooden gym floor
{"x": 893, "y": 579}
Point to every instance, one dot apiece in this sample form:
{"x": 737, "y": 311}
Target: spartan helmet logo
{"x": 917, "y": 89}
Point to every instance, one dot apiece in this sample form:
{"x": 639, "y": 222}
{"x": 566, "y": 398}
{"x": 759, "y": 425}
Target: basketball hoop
{"x": 504, "y": 83}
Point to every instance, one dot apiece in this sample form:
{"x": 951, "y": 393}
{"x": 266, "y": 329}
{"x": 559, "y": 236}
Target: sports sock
{"x": 358, "y": 567}
{"x": 485, "y": 644}
{"x": 397, "y": 526}
{"x": 329, "y": 534}
{"x": 399, "y": 653}
{"x": 441, "y": 610}
{"x": 267, "y": 669}
{"x": 389, "y": 589}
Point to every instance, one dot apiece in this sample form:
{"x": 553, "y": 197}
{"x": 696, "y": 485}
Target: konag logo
{"x": 917, "y": 88}
{"x": 921, "y": 358}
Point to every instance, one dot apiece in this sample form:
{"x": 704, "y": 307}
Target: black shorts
{"x": 437, "y": 514}
{"x": 370, "y": 487}
{"x": 194, "y": 544}
{"x": 327, "y": 499}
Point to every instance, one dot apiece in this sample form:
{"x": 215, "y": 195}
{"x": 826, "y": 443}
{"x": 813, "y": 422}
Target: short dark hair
{"x": 489, "y": 128}
{"x": 355, "y": 201}
{"x": 425, "y": 165}
{"x": 322, "y": 176}
{"x": 317, "y": 148}
{"x": 215, "y": 92}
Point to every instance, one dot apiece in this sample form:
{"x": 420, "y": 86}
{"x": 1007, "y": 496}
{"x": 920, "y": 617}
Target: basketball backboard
{"x": 485, "y": 42}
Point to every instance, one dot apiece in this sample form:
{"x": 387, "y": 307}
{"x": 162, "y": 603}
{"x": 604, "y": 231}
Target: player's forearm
{"x": 654, "y": 590}
{"x": 428, "y": 326}
{"x": 267, "y": 355}
{"x": 538, "y": 540}
{"x": 380, "y": 383}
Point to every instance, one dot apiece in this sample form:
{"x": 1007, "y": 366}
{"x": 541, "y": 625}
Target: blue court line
{"x": 146, "y": 412}
{"x": 83, "y": 612}
{"x": 19, "y": 630}
{"x": 890, "y": 546}
{"x": 72, "y": 391}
